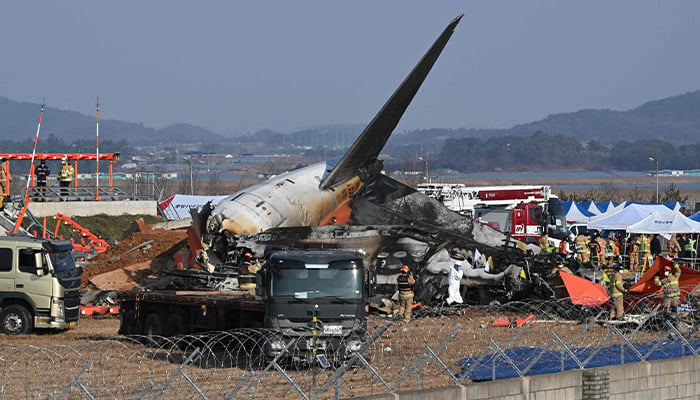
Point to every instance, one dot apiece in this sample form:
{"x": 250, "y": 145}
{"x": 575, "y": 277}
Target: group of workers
{"x": 65, "y": 176}
{"x": 668, "y": 282}
{"x": 640, "y": 249}
{"x": 42, "y": 173}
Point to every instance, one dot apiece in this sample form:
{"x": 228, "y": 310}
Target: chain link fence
{"x": 438, "y": 348}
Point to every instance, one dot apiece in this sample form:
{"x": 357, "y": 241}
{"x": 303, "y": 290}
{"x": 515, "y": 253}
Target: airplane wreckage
{"x": 348, "y": 203}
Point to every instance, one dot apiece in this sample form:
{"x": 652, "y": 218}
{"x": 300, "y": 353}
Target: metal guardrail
{"x": 55, "y": 194}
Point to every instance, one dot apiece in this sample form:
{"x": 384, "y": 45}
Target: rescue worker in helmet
{"x": 247, "y": 272}
{"x": 617, "y": 292}
{"x": 582, "y": 248}
{"x": 405, "y": 282}
{"x": 560, "y": 267}
{"x": 65, "y": 176}
{"x": 594, "y": 250}
{"x": 672, "y": 291}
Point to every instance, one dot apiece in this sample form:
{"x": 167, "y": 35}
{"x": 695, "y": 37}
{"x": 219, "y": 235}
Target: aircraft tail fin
{"x": 364, "y": 152}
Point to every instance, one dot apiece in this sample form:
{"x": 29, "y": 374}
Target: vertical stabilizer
{"x": 364, "y": 152}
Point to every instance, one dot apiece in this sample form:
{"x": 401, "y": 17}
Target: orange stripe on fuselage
{"x": 341, "y": 215}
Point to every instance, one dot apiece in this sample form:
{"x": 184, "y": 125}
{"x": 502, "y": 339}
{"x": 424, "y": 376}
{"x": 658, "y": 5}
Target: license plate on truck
{"x": 332, "y": 330}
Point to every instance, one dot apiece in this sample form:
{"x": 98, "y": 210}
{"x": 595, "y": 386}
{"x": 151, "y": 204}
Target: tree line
{"x": 541, "y": 150}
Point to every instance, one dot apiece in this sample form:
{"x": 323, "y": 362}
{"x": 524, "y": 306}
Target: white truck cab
{"x": 39, "y": 285}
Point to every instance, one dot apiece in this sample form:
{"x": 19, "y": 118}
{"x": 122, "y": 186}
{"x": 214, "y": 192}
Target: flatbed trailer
{"x": 171, "y": 313}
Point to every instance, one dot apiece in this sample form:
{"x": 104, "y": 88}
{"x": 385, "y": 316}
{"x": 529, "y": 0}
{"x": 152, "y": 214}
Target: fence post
{"x": 75, "y": 381}
{"x": 341, "y": 371}
{"x": 419, "y": 364}
{"x": 180, "y": 372}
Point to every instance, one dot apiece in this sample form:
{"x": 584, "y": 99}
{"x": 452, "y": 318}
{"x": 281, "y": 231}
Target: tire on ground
{"x": 15, "y": 319}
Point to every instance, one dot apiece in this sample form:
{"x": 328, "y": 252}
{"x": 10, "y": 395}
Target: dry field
{"x": 42, "y": 364}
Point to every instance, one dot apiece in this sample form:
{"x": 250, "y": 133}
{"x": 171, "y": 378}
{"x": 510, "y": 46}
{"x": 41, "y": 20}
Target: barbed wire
{"x": 442, "y": 346}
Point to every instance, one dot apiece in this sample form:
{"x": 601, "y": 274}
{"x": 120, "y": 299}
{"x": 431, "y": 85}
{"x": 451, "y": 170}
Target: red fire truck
{"x": 527, "y": 212}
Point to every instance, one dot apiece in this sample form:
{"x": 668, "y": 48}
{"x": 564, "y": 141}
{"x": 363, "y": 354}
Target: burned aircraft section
{"x": 393, "y": 225}
{"x": 347, "y": 203}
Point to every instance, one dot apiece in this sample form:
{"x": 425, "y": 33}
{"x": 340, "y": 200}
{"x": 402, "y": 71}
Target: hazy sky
{"x": 240, "y": 66}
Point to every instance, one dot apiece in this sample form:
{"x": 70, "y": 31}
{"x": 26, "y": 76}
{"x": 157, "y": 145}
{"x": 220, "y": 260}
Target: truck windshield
{"x": 338, "y": 280}
{"x": 556, "y": 224}
{"x": 62, "y": 261}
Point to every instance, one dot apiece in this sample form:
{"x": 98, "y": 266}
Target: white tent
{"x": 604, "y": 206}
{"x": 663, "y": 223}
{"x": 577, "y": 216}
{"x": 590, "y": 207}
{"x": 620, "y": 219}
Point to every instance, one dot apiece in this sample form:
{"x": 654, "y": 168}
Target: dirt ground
{"x": 137, "y": 261}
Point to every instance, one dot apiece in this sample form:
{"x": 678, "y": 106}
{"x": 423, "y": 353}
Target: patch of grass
{"x": 108, "y": 227}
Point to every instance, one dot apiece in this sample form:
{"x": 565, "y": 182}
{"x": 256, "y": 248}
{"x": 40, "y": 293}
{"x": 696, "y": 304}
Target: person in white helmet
{"x": 65, "y": 176}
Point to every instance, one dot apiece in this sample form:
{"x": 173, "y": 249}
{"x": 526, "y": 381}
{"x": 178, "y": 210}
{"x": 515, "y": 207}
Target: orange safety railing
{"x": 94, "y": 242}
{"x": 75, "y": 157}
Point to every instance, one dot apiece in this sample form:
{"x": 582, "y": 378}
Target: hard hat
{"x": 64, "y": 158}
{"x": 247, "y": 255}
{"x": 618, "y": 267}
{"x": 404, "y": 268}
{"x": 667, "y": 267}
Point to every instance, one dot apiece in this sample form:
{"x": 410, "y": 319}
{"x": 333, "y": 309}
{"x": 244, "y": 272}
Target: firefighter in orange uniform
{"x": 617, "y": 292}
{"x": 634, "y": 254}
{"x": 672, "y": 291}
{"x": 603, "y": 247}
{"x": 613, "y": 251}
{"x": 405, "y": 282}
{"x": 673, "y": 247}
{"x": 582, "y": 248}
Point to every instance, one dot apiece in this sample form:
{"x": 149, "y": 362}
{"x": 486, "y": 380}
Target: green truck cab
{"x": 39, "y": 285}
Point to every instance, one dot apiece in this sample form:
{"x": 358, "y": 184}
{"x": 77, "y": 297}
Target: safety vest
{"x": 562, "y": 247}
{"x": 690, "y": 246}
{"x": 66, "y": 173}
{"x": 644, "y": 245}
{"x": 544, "y": 245}
{"x": 246, "y": 277}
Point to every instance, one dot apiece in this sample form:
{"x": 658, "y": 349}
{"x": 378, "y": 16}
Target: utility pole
{"x": 652, "y": 159}
{"x": 191, "y": 185}
{"x": 427, "y": 173}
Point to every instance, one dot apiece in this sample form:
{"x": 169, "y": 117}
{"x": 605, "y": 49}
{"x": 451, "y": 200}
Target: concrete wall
{"x": 88, "y": 208}
{"x": 677, "y": 378}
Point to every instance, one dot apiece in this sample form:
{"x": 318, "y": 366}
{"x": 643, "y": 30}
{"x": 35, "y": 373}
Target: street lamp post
{"x": 427, "y": 174}
{"x": 191, "y": 185}
{"x": 657, "y": 176}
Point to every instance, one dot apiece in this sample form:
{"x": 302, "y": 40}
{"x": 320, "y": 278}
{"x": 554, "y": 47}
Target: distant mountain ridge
{"x": 18, "y": 122}
{"x": 674, "y": 119}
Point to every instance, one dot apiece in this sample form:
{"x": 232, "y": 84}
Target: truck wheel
{"x": 153, "y": 325}
{"x": 15, "y": 320}
{"x": 175, "y": 325}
